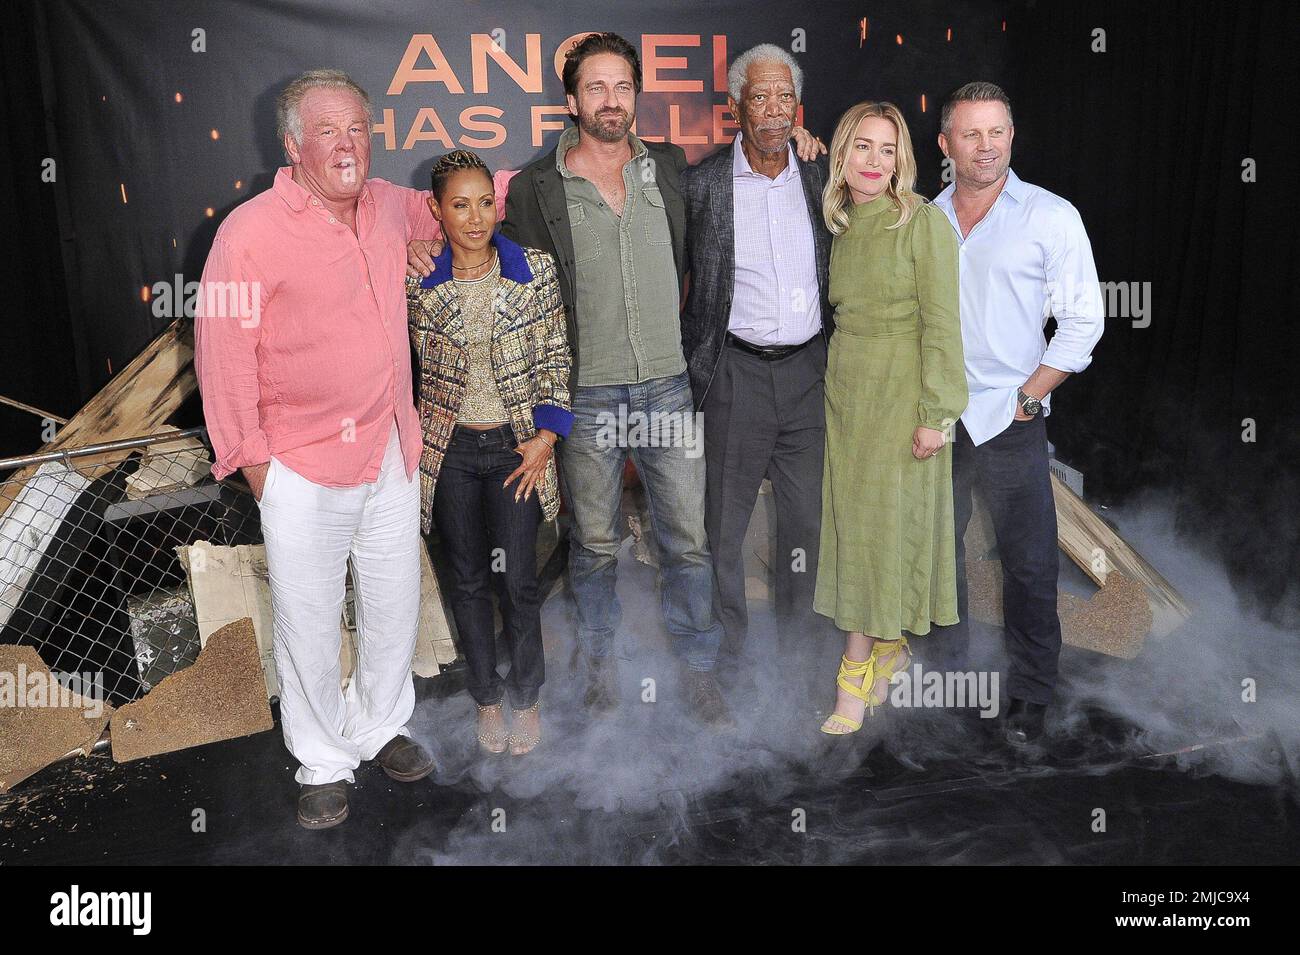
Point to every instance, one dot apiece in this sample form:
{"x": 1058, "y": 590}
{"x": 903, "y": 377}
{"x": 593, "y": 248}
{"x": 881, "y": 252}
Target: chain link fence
{"x": 89, "y": 570}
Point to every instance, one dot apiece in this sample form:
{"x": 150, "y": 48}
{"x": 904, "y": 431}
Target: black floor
{"x": 646, "y": 786}
{"x": 859, "y": 804}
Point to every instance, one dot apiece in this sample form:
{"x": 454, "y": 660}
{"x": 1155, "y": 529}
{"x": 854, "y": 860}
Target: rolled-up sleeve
{"x": 226, "y": 361}
{"x": 1075, "y": 295}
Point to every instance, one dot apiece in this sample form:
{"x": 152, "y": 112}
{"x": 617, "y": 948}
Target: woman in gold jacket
{"x": 488, "y": 326}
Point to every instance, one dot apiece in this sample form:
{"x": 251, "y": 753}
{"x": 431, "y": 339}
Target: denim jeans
{"x": 654, "y": 422}
{"x": 489, "y": 537}
{"x": 1011, "y": 472}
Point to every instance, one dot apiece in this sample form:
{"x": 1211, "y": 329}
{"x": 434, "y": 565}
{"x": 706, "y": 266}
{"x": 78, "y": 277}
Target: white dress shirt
{"x": 1027, "y": 259}
{"x": 776, "y": 300}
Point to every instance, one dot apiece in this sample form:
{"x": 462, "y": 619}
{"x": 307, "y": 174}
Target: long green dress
{"x": 888, "y": 562}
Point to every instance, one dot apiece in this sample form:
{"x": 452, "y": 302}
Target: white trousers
{"x": 311, "y": 534}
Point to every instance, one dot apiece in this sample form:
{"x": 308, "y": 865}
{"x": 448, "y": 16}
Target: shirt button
{"x": 332, "y": 219}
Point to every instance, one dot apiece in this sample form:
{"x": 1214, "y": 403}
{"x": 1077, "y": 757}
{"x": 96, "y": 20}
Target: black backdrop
{"x": 1147, "y": 138}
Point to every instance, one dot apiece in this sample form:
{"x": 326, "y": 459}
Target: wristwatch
{"x": 1028, "y": 403}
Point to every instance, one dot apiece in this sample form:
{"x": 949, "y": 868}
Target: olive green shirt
{"x": 627, "y": 296}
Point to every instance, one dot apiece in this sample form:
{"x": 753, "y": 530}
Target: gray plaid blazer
{"x": 711, "y": 258}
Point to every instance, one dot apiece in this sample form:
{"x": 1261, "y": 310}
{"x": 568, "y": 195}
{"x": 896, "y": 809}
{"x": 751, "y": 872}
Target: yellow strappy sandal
{"x": 849, "y": 669}
{"x": 900, "y": 658}
{"x": 872, "y": 670}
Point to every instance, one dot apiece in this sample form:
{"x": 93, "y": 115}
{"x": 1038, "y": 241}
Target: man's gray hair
{"x": 288, "y": 121}
{"x": 977, "y": 92}
{"x": 738, "y": 75}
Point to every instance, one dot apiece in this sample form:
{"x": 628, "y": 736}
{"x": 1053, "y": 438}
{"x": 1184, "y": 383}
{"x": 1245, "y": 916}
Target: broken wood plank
{"x": 1098, "y": 550}
{"x": 169, "y": 466}
{"x": 34, "y": 736}
{"x": 1114, "y": 621}
{"x": 228, "y": 584}
{"x": 135, "y": 403}
{"x": 220, "y": 696}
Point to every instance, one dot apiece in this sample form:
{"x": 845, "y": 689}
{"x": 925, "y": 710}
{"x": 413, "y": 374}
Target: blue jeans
{"x": 611, "y": 422}
{"x": 479, "y": 521}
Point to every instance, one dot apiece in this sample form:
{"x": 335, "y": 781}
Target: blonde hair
{"x": 836, "y": 198}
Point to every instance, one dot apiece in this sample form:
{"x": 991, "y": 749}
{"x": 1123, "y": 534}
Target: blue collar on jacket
{"x": 513, "y": 264}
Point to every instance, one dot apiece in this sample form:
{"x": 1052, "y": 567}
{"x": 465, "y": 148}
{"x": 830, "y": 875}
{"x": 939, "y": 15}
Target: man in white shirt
{"x": 1024, "y": 256}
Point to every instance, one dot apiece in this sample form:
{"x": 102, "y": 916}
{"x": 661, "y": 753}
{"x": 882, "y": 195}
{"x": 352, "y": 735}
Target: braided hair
{"x": 454, "y": 162}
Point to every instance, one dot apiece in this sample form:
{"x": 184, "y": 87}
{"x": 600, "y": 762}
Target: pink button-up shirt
{"x": 307, "y": 356}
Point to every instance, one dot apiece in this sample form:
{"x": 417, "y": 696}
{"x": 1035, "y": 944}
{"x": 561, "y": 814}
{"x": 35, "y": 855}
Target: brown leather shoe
{"x": 323, "y": 806}
{"x": 602, "y": 684}
{"x": 405, "y": 760}
{"x": 704, "y": 701}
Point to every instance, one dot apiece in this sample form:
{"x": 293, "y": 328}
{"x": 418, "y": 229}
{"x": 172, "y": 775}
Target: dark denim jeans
{"x": 654, "y": 422}
{"x": 489, "y": 537}
{"x": 1010, "y": 470}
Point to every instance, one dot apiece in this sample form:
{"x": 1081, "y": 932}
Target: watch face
{"x": 1032, "y": 405}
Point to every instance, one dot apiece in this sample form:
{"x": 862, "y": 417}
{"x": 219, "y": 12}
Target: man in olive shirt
{"x": 608, "y": 207}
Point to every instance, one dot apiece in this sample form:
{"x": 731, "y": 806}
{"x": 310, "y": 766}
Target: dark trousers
{"x": 489, "y": 538}
{"x": 1010, "y": 471}
{"x": 766, "y": 419}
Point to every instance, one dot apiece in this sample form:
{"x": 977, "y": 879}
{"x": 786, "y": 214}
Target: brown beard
{"x": 596, "y": 128}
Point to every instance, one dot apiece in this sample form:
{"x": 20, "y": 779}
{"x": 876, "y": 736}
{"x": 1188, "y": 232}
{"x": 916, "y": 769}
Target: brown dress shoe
{"x": 405, "y": 760}
{"x": 324, "y": 806}
{"x": 704, "y": 701}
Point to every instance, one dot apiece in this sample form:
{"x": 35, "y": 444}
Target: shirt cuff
{"x": 553, "y": 418}
{"x": 1059, "y": 360}
{"x": 250, "y": 452}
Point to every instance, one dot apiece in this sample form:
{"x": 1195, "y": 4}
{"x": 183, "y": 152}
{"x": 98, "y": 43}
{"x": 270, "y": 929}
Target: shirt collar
{"x": 1015, "y": 187}
{"x": 944, "y": 199}
{"x": 740, "y": 162}
{"x": 296, "y": 197}
{"x": 569, "y": 139}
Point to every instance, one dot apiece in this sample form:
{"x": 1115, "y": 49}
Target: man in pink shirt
{"x": 302, "y": 355}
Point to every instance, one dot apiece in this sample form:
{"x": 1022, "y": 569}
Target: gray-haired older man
{"x": 308, "y": 393}
{"x": 755, "y": 333}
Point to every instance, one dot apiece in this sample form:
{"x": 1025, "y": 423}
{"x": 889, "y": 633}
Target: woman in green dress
{"x": 895, "y": 386}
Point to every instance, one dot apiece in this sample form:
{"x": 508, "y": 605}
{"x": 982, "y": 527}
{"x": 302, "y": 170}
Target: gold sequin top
{"x": 482, "y": 404}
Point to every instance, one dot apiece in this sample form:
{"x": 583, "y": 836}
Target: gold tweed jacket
{"x": 530, "y": 358}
